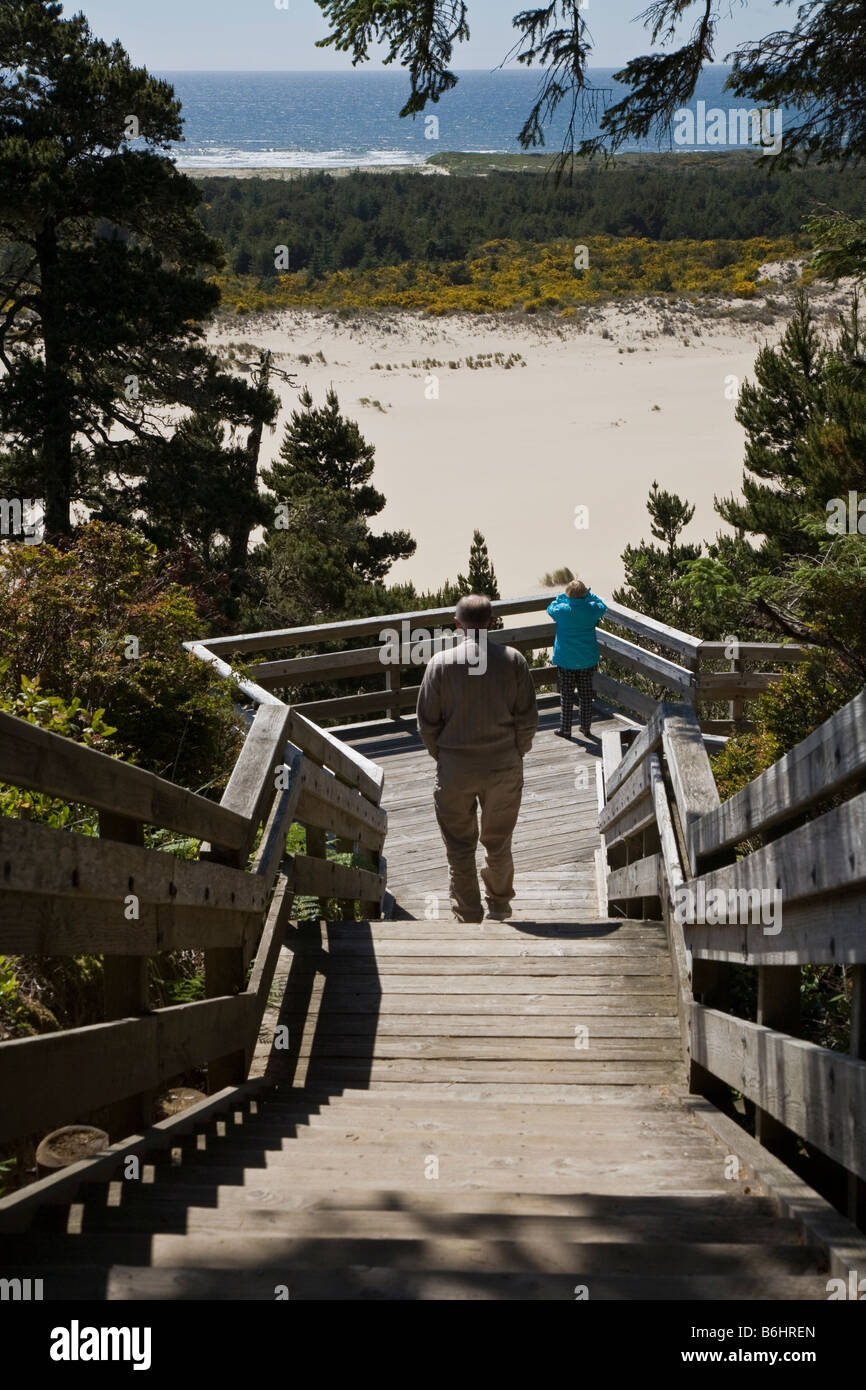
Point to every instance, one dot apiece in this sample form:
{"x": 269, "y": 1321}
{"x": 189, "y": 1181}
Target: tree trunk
{"x": 56, "y": 442}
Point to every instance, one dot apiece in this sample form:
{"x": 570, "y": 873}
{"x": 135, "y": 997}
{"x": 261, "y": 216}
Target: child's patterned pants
{"x": 567, "y": 682}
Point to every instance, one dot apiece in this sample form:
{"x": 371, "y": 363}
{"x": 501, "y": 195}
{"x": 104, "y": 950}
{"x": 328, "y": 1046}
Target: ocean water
{"x": 330, "y": 120}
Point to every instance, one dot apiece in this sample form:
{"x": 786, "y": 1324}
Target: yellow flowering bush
{"x": 503, "y": 275}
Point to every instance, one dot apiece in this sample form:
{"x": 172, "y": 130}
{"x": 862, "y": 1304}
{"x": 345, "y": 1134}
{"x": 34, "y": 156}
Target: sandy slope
{"x": 514, "y": 452}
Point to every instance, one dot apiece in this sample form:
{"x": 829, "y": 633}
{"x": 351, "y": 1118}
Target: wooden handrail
{"x": 34, "y": 758}
{"x": 66, "y": 892}
{"x": 818, "y": 871}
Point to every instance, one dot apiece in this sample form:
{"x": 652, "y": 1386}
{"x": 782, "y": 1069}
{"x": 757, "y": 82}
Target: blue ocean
{"x": 330, "y": 120}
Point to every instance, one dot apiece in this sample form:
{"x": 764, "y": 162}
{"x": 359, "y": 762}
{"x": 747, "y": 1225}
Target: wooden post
{"x": 125, "y": 990}
{"x": 709, "y": 986}
{"x": 737, "y": 706}
{"x": 371, "y": 858}
{"x": 779, "y": 1008}
{"x": 317, "y": 848}
{"x": 347, "y": 906}
{"x": 393, "y": 685}
{"x": 856, "y": 1186}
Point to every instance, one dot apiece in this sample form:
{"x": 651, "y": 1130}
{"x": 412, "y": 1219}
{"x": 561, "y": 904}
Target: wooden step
{"x": 133, "y": 1282}
{"x": 227, "y": 1250}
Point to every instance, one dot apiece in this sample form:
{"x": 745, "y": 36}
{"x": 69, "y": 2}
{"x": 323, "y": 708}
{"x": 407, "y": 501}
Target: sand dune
{"x": 602, "y": 406}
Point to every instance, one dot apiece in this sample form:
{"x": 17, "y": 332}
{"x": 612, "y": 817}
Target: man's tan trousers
{"x": 457, "y": 796}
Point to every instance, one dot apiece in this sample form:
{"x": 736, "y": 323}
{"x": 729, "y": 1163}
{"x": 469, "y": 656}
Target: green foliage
{"x": 58, "y": 716}
{"x": 320, "y": 555}
{"x": 67, "y": 617}
{"x": 715, "y": 203}
{"x": 653, "y": 572}
{"x": 796, "y": 704}
{"x": 103, "y": 268}
{"x": 560, "y": 576}
{"x": 481, "y": 577}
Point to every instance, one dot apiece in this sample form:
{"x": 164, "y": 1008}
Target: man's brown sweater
{"x": 485, "y": 721}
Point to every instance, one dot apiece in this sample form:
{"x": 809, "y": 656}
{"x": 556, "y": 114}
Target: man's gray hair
{"x": 474, "y": 611}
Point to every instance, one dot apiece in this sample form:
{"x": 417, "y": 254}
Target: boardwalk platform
{"x": 485, "y": 1112}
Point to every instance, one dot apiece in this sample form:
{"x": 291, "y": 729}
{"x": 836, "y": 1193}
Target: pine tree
{"x": 104, "y": 268}
{"x": 481, "y": 578}
{"x": 776, "y": 412}
{"x": 320, "y": 554}
{"x": 652, "y": 571}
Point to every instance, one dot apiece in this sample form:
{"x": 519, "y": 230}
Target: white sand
{"x": 514, "y": 452}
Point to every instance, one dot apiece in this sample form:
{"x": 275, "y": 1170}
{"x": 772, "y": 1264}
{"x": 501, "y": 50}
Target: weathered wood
{"x": 647, "y": 741}
{"x": 857, "y": 1186}
{"x": 253, "y": 692}
{"x": 325, "y": 815}
{"x": 832, "y": 756}
{"x": 639, "y": 817}
{"x": 819, "y": 1094}
{"x": 252, "y": 786}
{"x": 361, "y": 627}
{"x": 825, "y": 855}
{"x": 374, "y": 702}
{"x": 650, "y": 664}
{"x": 125, "y": 988}
{"x": 830, "y": 931}
{"x": 321, "y": 666}
{"x": 41, "y": 859}
{"x": 325, "y": 878}
{"x": 611, "y": 753}
{"x": 625, "y": 695}
{"x": 272, "y": 849}
{"x": 345, "y": 762}
{"x": 691, "y": 776}
{"x": 660, "y": 633}
{"x": 637, "y": 880}
{"x": 40, "y": 924}
{"x": 330, "y": 790}
{"x": 779, "y": 1009}
{"x": 636, "y": 788}
{"x": 729, "y": 685}
{"x": 41, "y": 761}
{"x": 264, "y": 965}
{"x": 55, "y": 1078}
{"x": 755, "y": 651}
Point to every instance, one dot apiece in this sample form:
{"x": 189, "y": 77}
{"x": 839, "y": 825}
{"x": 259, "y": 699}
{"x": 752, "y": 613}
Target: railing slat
{"x": 42, "y": 859}
{"x": 831, "y": 756}
{"x": 819, "y": 1094}
{"x": 824, "y": 855}
{"x": 41, "y": 761}
{"x": 55, "y": 1078}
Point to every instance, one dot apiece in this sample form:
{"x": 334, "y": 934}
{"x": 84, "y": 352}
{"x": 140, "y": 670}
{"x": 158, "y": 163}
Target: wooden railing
{"x": 670, "y": 843}
{"x": 681, "y": 671}
{"x": 64, "y": 893}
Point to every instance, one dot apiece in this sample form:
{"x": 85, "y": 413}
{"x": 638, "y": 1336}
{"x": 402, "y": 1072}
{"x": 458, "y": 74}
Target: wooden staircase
{"x": 486, "y": 1112}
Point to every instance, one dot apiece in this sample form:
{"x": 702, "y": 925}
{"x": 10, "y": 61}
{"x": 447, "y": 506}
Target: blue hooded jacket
{"x": 576, "y": 646}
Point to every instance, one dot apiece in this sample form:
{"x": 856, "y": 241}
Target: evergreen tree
{"x": 481, "y": 578}
{"x": 652, "y": 571}
{"x": 103, "y": 264}
{"x": 320, "y": 554}
{"x": 776, "y": 412}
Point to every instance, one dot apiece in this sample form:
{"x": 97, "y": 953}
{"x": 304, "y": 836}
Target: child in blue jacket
{"x": 575, "y": 653}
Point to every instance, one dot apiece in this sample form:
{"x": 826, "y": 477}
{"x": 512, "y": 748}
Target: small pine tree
{"x": 481, "y": 578}
{"x": 651, "y": 571}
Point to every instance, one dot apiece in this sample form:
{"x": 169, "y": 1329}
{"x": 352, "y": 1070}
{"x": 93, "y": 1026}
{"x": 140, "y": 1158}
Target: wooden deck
{"x": 479, "y": 1112}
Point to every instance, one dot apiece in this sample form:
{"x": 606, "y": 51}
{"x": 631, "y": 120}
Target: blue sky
{"x": 254, "y": 34}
